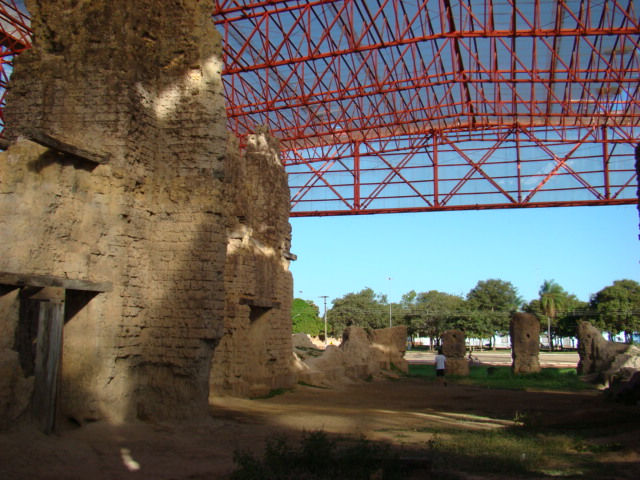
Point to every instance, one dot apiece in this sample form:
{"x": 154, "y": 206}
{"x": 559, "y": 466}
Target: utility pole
{"x": 325, "y": 318}
{"x": 390, "y": 322}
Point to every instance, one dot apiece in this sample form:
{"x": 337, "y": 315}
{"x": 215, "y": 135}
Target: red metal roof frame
{"x": 421, "y": 105}
{"x": 427, "y": 105}
{"x": 15, "y": 37}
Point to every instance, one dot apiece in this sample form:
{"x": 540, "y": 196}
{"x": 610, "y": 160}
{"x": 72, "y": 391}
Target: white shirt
{"x": 440, "y": 361}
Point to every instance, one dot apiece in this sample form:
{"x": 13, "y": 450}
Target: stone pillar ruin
{"x": 119, "y": 187}
{"x": 454, "y": 348}
{"x": 524, "y": 330}
{"x": 596, "y": 353}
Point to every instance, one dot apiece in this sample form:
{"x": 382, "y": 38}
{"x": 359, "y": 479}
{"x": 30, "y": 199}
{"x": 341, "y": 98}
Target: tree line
{"x": 483, "y": 313}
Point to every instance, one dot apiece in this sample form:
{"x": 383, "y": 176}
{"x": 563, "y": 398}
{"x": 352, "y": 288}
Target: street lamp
{"x": 325, "y": 318}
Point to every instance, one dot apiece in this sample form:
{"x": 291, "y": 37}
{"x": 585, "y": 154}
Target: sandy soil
{"x": 386, "y": 409}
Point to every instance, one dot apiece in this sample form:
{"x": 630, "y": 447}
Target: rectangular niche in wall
{"x": 39, "y": 332}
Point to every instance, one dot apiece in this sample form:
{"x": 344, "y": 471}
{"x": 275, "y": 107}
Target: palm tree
{"x": 552, "y": 297}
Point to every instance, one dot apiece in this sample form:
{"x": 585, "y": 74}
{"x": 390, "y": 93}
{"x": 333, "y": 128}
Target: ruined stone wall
{"x": 361, "y": 354}
{"x": 596, "y": 353}
{"x": 254, "y": 355}
{"x": 141, "y": 84}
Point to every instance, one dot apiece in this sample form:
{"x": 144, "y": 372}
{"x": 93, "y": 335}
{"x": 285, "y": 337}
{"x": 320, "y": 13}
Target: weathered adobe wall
{"x": 254, "y": 355}
{"x": 361, "y": 353}
{"x": 140, "y": 83}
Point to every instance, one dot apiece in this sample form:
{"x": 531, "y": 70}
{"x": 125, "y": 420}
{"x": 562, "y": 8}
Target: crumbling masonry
{"x": 122, "y": 195}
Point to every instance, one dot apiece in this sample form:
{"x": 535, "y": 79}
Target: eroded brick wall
{"x": 254, "y": 355}
{"x": 142, "y": 84}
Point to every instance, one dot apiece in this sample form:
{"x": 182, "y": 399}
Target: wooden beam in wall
{"x": 46, "y": 140}
{"x": 31, "y": 280}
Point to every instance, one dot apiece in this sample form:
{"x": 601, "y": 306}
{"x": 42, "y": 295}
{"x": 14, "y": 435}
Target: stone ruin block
{"x": 389, "y": 346}
{"x": 367, "y": 352}
{"x": 131, "y": 180}
{"x": 455, "y": 349}
{"x": 624, "y": 383}
{"x": 596, "y": 354}
{"x": 361, "y": 354}
{"x": 524, "y": 330}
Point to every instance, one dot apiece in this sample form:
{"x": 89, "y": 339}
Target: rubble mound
{"x": 616, "y": 365}
{"x": 625, "y": 386}
{"x": 361, "y": 354}
{"x": 597, "y": 355}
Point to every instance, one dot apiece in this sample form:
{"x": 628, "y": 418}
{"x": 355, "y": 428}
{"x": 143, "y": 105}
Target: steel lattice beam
{"x": 419, "y": 105}
{"x": 392, "y": 105}
{"x": 15, "y": 37}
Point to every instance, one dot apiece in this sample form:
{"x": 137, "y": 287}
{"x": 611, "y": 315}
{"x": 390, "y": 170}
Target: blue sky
{"x": 584, "y": 249}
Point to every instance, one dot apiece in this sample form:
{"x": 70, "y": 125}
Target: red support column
{"x": 356, "y": 176}
{"x": 605, "y": 163}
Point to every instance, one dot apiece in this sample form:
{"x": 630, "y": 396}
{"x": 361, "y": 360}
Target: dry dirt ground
{"x": 386, "y": 409}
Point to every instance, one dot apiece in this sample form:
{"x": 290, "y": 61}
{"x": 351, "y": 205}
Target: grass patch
{"x": 317, "y": 457}
{"x": 395, "y": 369}
{"x": 449, "y": 453}
{"x": 564, "y": 379}
{"x": 273, "y": 393}
{"x": 509, "y": 451}
{"x": 309, "y": 351}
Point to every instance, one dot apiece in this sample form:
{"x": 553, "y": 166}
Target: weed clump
{"x": 317, "y": 457}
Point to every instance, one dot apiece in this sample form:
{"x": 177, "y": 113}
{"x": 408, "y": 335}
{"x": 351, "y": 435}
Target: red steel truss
{"x": 15, "y": 37}
{"x": 419, "y": 105}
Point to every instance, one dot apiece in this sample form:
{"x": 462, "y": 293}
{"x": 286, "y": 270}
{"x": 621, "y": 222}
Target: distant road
{"x": 560, "y": 359}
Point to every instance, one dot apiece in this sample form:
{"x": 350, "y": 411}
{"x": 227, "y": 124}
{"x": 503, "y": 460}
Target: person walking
{"x": 441, "y": 363}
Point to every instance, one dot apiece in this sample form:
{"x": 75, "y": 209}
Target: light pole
{"x": 390, "y": 323}
{"x": 325, "y": 318}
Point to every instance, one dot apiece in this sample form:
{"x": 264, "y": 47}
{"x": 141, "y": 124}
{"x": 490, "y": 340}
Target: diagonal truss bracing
{"x": 420, "y": 105}
{"x": 388, "y": 105}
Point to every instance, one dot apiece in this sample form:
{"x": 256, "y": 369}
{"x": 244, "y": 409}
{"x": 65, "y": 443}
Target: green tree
{"x": 407, "y": 315}
{"x": 561, "y": 309}
{"x": 618, "y": 307}
{"x": 363, "y": 309}
{"x": 552, "y": 299}
{"x": 567, "y": 320}
{"x": 432, "y": 313}
{"x": 305, "y": 317}
{"x": 490, "y": 303}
